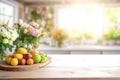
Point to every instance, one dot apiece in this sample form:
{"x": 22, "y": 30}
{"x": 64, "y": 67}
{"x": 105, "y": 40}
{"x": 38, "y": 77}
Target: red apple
{"x": 27, "y": 56}
{"x": 22, "y": 61}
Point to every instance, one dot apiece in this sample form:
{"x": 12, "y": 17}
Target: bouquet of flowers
{"x": 44, "y": 15}
{"x": 59, "y": 35}
{"x": 7, "y": 36}
{"x": 29, "y": 35}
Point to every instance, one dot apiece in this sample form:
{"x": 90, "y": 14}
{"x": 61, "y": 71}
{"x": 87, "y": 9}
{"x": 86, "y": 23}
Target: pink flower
{"x": 33, "y": 31}
{"x": 39, "y": 10}
{"x": 34, "y": 24}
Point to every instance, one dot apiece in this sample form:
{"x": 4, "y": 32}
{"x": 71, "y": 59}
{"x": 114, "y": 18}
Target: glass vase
{"x": 2, "y": 55}
{"x": 59, "y": 44}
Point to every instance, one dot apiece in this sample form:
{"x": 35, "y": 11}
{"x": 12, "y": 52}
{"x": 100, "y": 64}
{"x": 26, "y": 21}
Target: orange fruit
{"x": 22, "y": 51}
{"x": 14, "y": 61}
{"x": 11, "y": 55}
{"x": 30, "y": 61}
{"x": 33, "y": 52}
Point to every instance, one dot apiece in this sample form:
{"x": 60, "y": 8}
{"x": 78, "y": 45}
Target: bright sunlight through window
{"x": 82, "y": 19}
{"x": 6, "y": 13}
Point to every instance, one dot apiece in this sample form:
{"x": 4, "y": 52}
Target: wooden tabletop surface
{"x": 81, "y": 67}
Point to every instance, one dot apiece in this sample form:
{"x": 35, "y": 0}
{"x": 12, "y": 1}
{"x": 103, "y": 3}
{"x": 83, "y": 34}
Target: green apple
{"x": 37, "y": 58}
{"x": 43, "y": 59}
{"x": 42, "y": 54}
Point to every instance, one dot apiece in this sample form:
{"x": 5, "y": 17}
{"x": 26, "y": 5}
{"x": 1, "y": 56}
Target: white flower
{"x": 44, "y": 34}
{"x": 8, "y": 36}
{"x": 11, "y": 42}
{"x": 25, "y": 25}
{"x": 15, "y": 35}
{"x": 5, "y": 33}
{"x": 5, "y": 41}
{"x": 50, "y": 15}
{"x": 13, "y": 38}
{"x": 43, "y": 23}
{"x": 30, "y": 46}
{"x": 20, "y": 21}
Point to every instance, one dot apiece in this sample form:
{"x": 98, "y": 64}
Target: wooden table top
{"x": 72, "y": 66}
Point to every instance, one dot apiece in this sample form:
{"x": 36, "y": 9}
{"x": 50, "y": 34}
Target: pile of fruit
{"x": 22, "y": 57}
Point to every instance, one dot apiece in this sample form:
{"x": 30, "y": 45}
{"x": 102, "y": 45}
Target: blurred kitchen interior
{"x": 84, "y": 22}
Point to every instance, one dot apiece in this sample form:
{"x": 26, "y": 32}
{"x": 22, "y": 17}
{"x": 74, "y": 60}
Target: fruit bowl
{"x": 7, "y": 67}
{"x": 21, "y": 60}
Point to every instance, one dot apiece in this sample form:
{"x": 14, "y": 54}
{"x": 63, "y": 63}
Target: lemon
{"x": 14, "y": 62}
{"x": 22, "y": 51}
{"x": 9, "y": 60}
{"x": 18, "y": 56}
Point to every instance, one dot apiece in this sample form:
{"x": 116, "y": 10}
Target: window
{"x": 87, "y": 21}
{"x": 111, "y": 16}
{"x": 7, "y": 13}
{"x": 81, "y": 19}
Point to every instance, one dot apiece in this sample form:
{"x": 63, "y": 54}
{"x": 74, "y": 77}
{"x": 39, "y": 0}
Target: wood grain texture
{"x": 6, "y": 67}
{"x": 67, "y": 79}
{"x": 74, "y": 67}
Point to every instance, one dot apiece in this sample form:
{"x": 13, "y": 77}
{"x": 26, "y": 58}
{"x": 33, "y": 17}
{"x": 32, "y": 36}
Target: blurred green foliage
{"x": 109, "y": 34}
{"x": 112, "y": 34}
{"x": 80, "y": 36}
{"x": 88, "y": 36}
{"x": 35, "y": 16}
{"x": 112, "y": 16}
{"x": 1, "y": 22}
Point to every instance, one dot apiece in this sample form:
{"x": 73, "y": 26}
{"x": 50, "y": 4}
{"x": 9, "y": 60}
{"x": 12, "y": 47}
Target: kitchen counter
{"x": 81, "y": 49}
{"x": 72, "y": 67}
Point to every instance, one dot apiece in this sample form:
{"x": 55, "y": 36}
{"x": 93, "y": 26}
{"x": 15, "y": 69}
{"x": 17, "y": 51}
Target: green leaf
{"x": 1, "y": 39}
{"x": 3, "y": 47}
{"x": 10, "y": 48}
{"x": 0, "y": 47}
